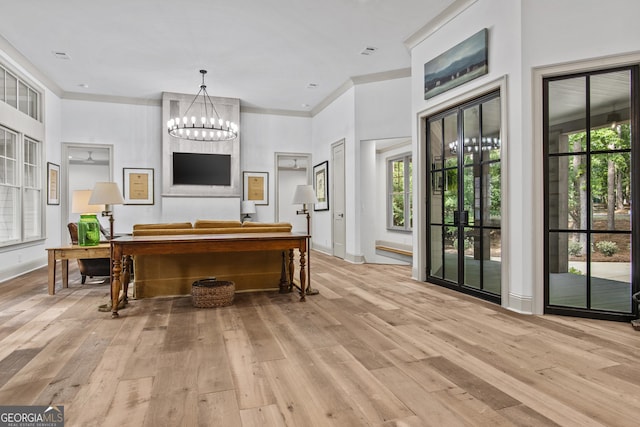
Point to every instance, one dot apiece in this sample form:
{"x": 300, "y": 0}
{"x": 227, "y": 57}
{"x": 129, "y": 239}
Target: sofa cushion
{"x": 169, "y": 225}
{"x": 208, "y": 223}
{"x": 249, "y": 224}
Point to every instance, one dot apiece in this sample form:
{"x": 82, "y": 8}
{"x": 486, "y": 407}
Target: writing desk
{"x": 127, "y": 246}
{"x": 65, "y": 253}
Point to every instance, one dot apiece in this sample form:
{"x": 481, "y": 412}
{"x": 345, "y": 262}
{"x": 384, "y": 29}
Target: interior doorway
{"x": 292, "y": 169}
{"x": 83, "y": 166}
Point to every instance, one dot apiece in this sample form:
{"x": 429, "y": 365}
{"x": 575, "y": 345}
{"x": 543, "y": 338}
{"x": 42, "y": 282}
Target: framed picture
{"x": 321, "y": 186}
{"x": 53, "y": 184}
{"x": 137, "y": 186}
{"x": 460, "y": 64}
{"x": 256, "y": 187}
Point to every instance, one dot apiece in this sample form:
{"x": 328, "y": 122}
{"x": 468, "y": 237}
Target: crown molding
{"x": 78, "y": 96}
{"x": 274, "y": 111}
{"x": 358, "y": 80}
{"x": 382, "y": 76}
{"x": 454, "y": 9}
{"x": 14, "y": 55}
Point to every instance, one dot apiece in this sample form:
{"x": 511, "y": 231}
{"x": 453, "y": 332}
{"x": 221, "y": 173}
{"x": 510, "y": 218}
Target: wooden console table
{"x": 203, "y": 243}
{"x": 65, "y": 253}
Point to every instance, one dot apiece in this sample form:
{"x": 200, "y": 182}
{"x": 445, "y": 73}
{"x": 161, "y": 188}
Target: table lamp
{"x": 305, "y": 195}
{"x": 88, "y": 226}
{"x": 247, "y": 208}
{"x": 107, "y": 193}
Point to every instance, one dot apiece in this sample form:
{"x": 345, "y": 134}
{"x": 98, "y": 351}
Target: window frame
{"x": 23, "y": 195}
{"x": 33, "y": 107}
{"x": 407, "y": 159}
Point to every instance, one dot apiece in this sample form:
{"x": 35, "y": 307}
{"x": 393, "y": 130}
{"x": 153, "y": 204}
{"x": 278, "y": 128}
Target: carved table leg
{"x": 126, "y": 277}
{"x": 284, "y": 284}
{"x": 291, "y": 269}
{"x": 303, "y": 276}
{"x": 115, "y": 285}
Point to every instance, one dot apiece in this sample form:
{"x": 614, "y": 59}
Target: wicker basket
{"x": 207, "y": 293}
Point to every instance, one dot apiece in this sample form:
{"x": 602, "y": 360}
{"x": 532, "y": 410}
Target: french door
{"x": 591, "y": 167}
{"x": 464, "y": 208}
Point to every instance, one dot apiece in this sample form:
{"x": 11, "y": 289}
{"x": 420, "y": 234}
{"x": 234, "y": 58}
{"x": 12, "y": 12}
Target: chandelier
{"x": 207, "y": 127}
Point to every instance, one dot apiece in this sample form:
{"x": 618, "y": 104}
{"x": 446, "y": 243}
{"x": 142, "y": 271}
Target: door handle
{"x": 340, "y": 215}
{"x": 460, "y": 217}
{"x": 465, "y": 218}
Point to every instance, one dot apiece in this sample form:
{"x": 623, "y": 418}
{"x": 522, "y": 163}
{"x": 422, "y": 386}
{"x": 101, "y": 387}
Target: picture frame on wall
{"x": 462, "y": 63}
{"x": 256, "y": 187}
{"x": 53, "y": 184}
{"x": 321, "y": 185}
{"x": 137, "y": 186}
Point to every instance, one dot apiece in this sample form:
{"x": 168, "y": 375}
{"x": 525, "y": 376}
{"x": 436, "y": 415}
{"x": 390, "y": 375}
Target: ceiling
{"x": 277, "y": 55}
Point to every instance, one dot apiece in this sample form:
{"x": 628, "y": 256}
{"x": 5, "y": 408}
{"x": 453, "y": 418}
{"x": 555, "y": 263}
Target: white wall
{"x": 334, "y": 123}
{"x": 134, "y": 133}
{"x": 523, "y": 35}
{"x": 502, "y": 18}
{"x": 289, "y": 180}
{"x": 574, "y": 38}
{"x": 262, "y": 136}
{"x": 14, "y": 262}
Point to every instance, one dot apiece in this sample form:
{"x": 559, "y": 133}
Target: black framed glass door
{"x": 590, "y": 168}
{"x": 464, "y": 209}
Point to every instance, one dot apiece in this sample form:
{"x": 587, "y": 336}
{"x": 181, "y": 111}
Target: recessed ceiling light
{"x": 61, "y": 55}
{"x": 83, "y": 85}
{"x": 312, "y": 85}
{"x": 368, "y": 50}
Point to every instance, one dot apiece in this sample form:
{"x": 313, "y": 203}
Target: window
{"x": 590, "y": 169}
{"x": 400, "y": 186}
{"x": 21, "y": 198}
{"x": 19, "y": 94}
{"x": 22, "y": 202}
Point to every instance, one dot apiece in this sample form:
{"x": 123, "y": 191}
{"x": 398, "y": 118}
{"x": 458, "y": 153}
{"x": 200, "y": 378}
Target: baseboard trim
{"x": 520, "y": 304}
{"x": 23, "y": 268}
{"x": 354, "y": 259}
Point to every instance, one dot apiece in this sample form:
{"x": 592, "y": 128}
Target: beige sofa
{"x": 157, "y": 275}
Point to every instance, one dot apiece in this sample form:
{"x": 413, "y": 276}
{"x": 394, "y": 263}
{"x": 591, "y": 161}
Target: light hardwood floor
{"x": 375, "y": 348}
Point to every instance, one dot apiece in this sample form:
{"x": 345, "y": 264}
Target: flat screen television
{"x": 201, "y": 169}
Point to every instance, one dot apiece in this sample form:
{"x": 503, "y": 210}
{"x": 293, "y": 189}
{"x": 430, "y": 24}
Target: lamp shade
{"x": 304, "y": 195}
{"x": 106, "y": 193}
{"x": 248, "y": 207}
{"x": 80, "y": 203}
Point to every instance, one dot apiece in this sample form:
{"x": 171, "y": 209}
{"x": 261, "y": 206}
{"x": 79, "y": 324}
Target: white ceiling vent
{"x": 61, "y": 55}
{"x": 369, "y": 50}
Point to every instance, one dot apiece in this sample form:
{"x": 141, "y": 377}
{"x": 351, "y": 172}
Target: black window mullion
{"x": 588, "y": 189}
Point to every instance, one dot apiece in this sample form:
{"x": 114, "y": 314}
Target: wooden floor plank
{"x": 219, "y": 409}
{"x": 130, "y": 403}
{"x": 373, "y": 348}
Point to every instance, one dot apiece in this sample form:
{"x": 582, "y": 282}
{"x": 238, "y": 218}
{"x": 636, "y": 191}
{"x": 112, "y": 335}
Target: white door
{"x": 339, "y": 224}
